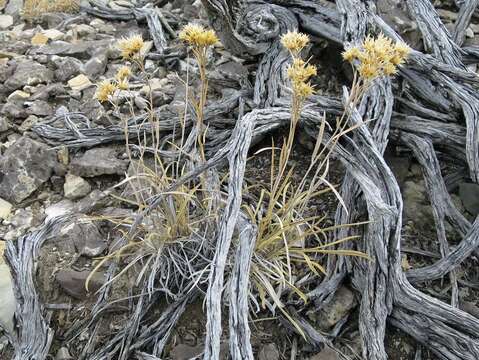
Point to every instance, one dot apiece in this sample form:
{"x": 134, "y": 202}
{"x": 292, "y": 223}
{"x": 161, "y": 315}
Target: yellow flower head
{"x": 369, "y": 71}
{"x": 123, "y": 84}
{"x": 130, "y": 47}
{"x": 300, "y": 71}
{"x": 105, "y": 89}
{"x": 123, "y": 73}
{"x": 304, "y": 90}
{"x": 197, "y": 35}
{"x": 377, "y": 56}
{"x": 351, "y": 54}
{"x": 294, "y": 41}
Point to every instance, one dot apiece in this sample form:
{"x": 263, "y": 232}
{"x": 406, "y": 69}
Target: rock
{"x": 14, "y": 110}
{"x": 18, "y": 95}
{"x": 79, "y": 83}
{"x": 44, "y": 92}
{"x": 61, "y": 208}
{"x": 80, "y": 49}
{"x": 81, "y": 235}
{"x": 340, "y": 305}
{"x": 29, "y": 73}
{"x": 75, "y": 187}
{"x": 24, "y": 167}
{"x": 7, "y": 298}
{"x": 28, "y": 123}
{"x": 98, "y": 161}
{"x": 39, "y": 39}
{"x": 83, "y": 30}
{"x": 63, "y": 354}
{"x": 95, "y": 66}
{"x": 5, "y": 21}
{"x": 185, "y": 352}
{"x": 269, "y": 352}
{"x": 40, "y": 108}
{"x": 4, "y": 126}
{"x": 416, "y": 206}
{"x": 5, "y": 209}
{"x": 13, "y": 7}
{"x": 469, "y": 195}
{"x": 326, "y": 354}
{"x": 53, "y": 34}
{"x": 23, "y": 219}
{"x": 66, "y": 67}
{"x": 73, "y": 283}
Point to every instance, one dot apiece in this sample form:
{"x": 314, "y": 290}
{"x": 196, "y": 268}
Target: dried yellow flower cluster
{"x": 197, "y": 35}
{"x": 122, "y": 76}
{"x": 108, "y": 87}
{"x": 294, "y": 42}
{"x": 377, "y": 57}
{"x": 299, "y": 72}
{"x": 105, "y": 89}
{"x": 130, "y": 47}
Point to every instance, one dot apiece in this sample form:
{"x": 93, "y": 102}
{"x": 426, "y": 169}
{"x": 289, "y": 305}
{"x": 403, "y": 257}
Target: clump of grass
{"x": 168, "y": 243}
{"x": 35, "y": 8}
{"x": 200, "y": 40}
{"x": 289, "y": 239}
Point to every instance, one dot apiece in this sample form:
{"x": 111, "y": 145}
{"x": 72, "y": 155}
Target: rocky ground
{"x": 50, "y": 66}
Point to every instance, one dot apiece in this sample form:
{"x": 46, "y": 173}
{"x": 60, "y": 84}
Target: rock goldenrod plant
{"x": 200, "y": 40}
{"x": 165, "y": 247}
{"x": 290, "y": 241}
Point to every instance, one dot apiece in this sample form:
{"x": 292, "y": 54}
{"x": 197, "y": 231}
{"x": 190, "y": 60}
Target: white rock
{"x": 5, "y": 209}
{"x": 80, "y": 82}
{"x": 18, "y": 95}
{"x": 7, "y": 299}
{"x": 75, "y": 187}
{"x": 53, "y": 34}
{"x": 61, "y": 208}
{"x": 6, "y": 21}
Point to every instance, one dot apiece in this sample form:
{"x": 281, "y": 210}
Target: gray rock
{"x": 13, "y": 7}
{"x": 269, "y": 352}
{"x": 326, "y": 354}
{"x": 416, "y": 204}
{"x": 96, "y": 65}
{"x": 66, "y": 67}
{"x": 39, "y": 108}
{"x": 340, "y": 305}
{"x": 23, "y": 219}
{"x": 185, "y": 352}
{"x": 82, "y": 236}
{"x": 24, "y": 167}
{"x": 14, "y": 110}
{"x": 45, "y": 92}
{"x": 75, "y": 187}
{"x": 469, "y": 194}
{"x": 99, "y": 161}
{"x": 29, "y": 73}
{"x": 73, "y": 283}
{"x": 81, "y": 50}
